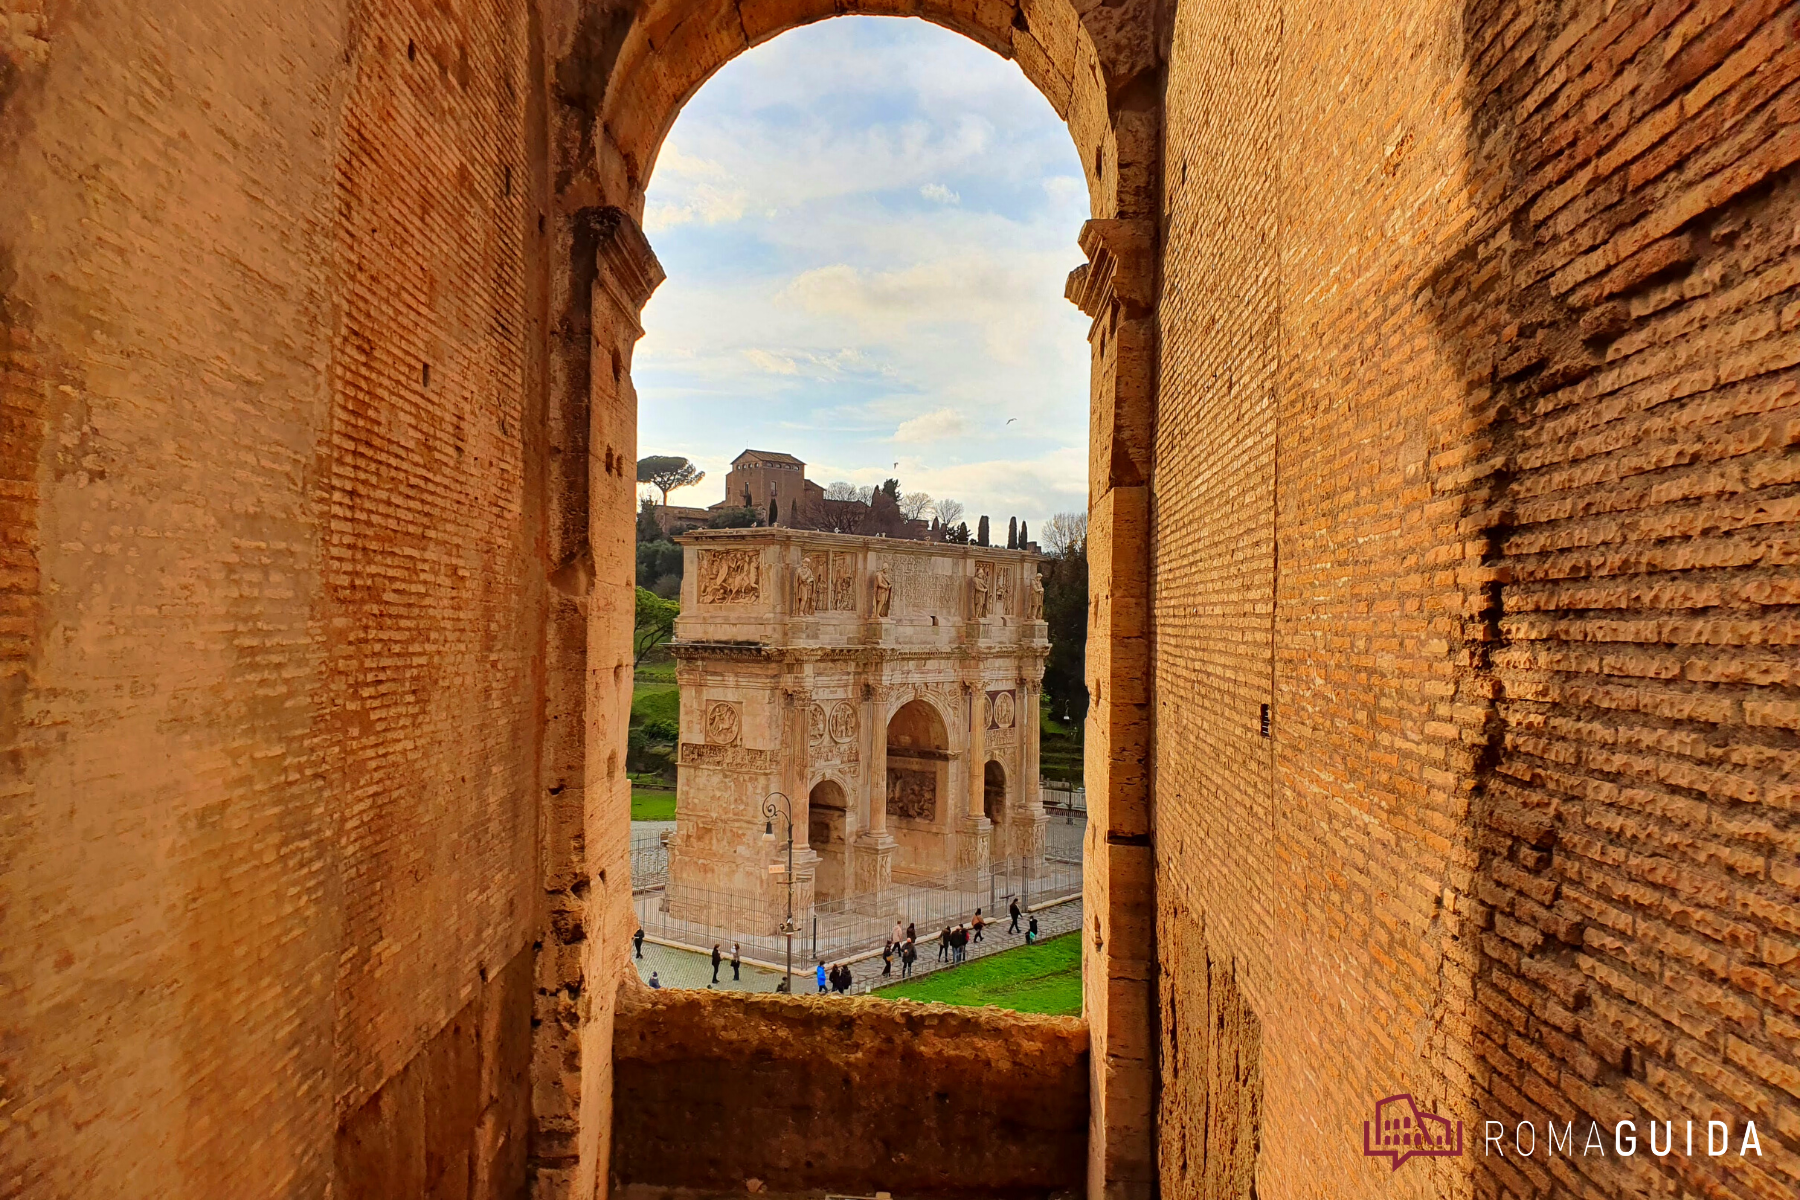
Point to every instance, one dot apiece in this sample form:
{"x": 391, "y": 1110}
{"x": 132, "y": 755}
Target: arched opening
{"x": 624, "y": 83}
{"x": 826, "y": 809}
{"x": 918, "y": 800}
{"x": 993, "y": 794}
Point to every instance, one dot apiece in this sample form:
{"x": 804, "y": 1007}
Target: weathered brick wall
{"x": 268, "y": 839}
{"x": 1478, "y": 369}
{"x": 848, "y": 1095}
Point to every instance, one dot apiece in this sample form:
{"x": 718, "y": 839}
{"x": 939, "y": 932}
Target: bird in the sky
{"x": 1010, "y": 420}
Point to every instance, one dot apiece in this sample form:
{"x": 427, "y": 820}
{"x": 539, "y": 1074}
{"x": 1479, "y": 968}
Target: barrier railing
{"x": 843, "y": 927}
{"x": 649, "y": 862}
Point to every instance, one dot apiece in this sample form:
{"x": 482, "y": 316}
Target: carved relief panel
{"x": 982, "y": 591}
{"x": 730, "y": 576}
{"x": 724, "y": 723}
{"x": 843, "y": 722}
{"x": 843, "y": 583}
{"x": 911, "y": 795}
{"x": 810, "y": 584}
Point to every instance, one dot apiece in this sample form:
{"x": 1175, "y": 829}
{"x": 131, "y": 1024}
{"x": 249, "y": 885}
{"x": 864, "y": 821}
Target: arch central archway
{"x": 918, "y": 795}
{"x": 620, "y": 77}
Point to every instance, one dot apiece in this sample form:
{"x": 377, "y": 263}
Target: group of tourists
{"x": 837, "y": 979}
{"x": 902, "y": 943}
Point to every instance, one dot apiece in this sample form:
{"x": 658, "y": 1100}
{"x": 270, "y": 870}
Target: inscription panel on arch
{"x": 920, "y": 591}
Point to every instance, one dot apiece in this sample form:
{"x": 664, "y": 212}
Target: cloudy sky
{"x": 866, "y": 224}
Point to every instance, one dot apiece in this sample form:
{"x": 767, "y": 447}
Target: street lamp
{"x": 786, "y": 812}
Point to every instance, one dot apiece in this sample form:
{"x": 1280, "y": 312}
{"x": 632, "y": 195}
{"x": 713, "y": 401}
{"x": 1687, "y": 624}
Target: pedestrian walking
{"x": 1031, "y": 934}
{"x": 820, "y": 976}
{"x": 637, "y": 939}
{"x": 959, "y": 944}
{"x": 654, "y": 981}
{"x": 899, "y": 932}
{"x": 908, "y": 956}
{"x": 912, "y": 934}
{"x": 944, "y": 944}
{"x": 1013, "y": 909}
{"x": 717, "y": 959}
{"x": 978, "y": 924}
{"x": 887, "y": 959}
{"x": 737, "y": 960}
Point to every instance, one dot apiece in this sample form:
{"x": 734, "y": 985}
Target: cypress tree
{"x": 1012, "y": 533}
{"x": 981, "y": 532}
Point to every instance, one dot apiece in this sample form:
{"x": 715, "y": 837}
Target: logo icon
{"x": 1400, "y": 1131}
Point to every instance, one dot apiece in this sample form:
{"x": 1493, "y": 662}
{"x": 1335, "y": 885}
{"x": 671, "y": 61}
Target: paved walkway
{"x": 691, "y": 969}
{"x": 1058, "y": 918}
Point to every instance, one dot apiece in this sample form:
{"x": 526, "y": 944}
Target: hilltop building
{"x": 772, "y": 480}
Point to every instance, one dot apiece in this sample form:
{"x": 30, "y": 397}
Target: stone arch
{"x": 917, "y": 795}
{"x": 993, "y": 792}
{"x": 620, "y": 77}
{"x": 827, "y": 818}
{"x": 1089, "y": 69}
{"x": 946, "y": 716}
{"x": 918, "y": 725}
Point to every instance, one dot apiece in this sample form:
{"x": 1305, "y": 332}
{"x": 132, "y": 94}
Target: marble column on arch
{"x": 873, "y": 853}
{"x": 973, "y": 830}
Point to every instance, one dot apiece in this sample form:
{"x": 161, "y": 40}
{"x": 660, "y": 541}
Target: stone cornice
{"x": 867, "y": 655}
{"x": 1121, "y": 266}
{"x": 626, "y": 265}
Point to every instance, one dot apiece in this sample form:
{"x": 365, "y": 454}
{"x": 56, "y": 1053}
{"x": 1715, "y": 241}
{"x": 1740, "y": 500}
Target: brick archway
{"x": 622, "y": 78}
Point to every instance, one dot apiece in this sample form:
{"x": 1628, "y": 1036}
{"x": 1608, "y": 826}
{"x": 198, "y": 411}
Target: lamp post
{"x": 786, "y": 812}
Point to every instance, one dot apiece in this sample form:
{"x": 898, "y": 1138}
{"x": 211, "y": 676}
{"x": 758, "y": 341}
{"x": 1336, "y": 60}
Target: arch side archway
{"x": 618, "y": 80}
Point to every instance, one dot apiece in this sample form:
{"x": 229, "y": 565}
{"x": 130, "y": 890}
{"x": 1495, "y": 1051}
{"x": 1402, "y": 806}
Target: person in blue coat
{"x": 820, "y": 976}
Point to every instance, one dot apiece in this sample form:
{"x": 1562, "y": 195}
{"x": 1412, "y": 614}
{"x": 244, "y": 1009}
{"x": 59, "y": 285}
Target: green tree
{"x": 1065, "y": 574}
{"x": 666, "y": 472}
{"x": 655, "y": 623}
{"x": 733, "y": 518}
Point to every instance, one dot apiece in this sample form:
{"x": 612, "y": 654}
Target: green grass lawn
{"x": 1045, "y": 978}
{"x": 652, "y": 806}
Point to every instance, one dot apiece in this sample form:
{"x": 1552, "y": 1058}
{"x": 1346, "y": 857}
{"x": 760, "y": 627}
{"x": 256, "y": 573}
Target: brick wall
{"x": 845, "y": 1095}
{"x": 1474, "y": 463}
{"x": 269, "y": 832}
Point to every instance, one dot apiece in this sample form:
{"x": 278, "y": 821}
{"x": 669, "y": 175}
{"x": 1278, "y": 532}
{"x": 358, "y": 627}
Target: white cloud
{"x": 813, "y": 304}
{"x": 775, "y": 364}
{"x": 936, "y": 426}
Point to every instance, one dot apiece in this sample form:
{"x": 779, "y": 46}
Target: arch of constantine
{"x": 888, "y": 690}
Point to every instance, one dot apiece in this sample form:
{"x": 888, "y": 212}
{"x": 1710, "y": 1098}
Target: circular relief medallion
{"x": 722, "y": 724}
{"x": 815, "y": 724}
{"x": 1003, "y": 710}
{"x": 843, "y": 721}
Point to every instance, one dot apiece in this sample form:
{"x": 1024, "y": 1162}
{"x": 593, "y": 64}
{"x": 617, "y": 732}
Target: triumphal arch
{"x": 888, "y": 690}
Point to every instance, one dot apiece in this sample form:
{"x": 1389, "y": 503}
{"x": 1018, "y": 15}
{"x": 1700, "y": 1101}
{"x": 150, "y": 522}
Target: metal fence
{"x": 840, "y": 928}
{"x": 649, "y": 861}
{"x": 1063, "y": 839}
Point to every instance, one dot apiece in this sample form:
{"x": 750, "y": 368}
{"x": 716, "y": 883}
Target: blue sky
{"x": 866, "y": 225}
